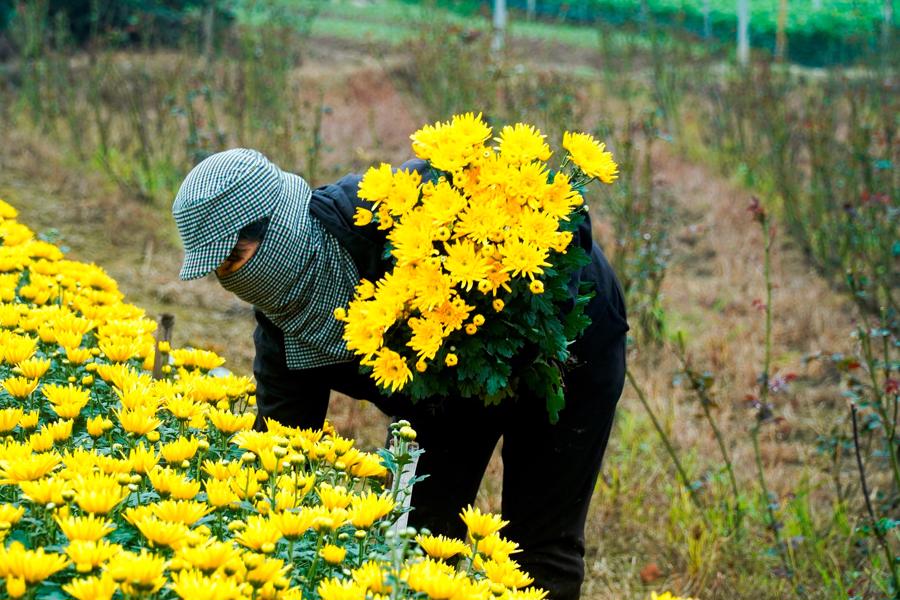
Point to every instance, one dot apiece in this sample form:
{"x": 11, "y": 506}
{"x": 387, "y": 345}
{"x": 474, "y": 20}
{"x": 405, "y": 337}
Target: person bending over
{"x": 295, "y": 254}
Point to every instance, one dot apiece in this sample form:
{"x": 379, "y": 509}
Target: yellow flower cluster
{"x": 115, "y": 484}
{"x": 460, "y": 241}
{"x": 486, "y": 551}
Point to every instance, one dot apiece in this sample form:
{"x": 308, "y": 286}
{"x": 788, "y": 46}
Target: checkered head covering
{"x": 298, "y": 275}
{"x": 219, "y": 196}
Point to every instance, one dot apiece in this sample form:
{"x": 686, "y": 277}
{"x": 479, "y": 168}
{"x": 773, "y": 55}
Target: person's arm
{"x": 335, "y": 205}
{"x": 298, "y": 398}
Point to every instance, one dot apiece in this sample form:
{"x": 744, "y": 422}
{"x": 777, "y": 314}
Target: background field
{"x": 750, "y": 373}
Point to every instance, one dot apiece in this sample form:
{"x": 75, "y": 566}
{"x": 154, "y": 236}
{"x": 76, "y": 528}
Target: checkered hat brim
{"x": 205, "y": 259}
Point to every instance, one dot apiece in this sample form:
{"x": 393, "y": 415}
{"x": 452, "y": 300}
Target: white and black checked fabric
{"x": 219, "y": 196}
{"x": 299, "y": 274}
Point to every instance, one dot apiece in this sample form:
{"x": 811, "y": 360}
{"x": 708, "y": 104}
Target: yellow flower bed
{"x": 116, "y": 485}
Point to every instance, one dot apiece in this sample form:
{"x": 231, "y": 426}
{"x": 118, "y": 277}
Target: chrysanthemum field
{"x": 114, "y": 484}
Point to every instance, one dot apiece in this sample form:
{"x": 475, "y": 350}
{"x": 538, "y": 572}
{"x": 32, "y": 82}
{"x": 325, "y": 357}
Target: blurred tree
{"x": 133, "y": 19}
{"x": 6, "y": 11}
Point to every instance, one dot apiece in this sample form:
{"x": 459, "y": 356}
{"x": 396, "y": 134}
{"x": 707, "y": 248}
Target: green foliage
{"x": 839, "y": 31}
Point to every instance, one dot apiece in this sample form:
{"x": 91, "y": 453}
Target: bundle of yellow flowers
{"x": 482, "y": 255}
{"x": 114, "y": 484}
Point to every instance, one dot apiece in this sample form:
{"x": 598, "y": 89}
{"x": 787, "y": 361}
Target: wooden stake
{"x": 163, "y": 334}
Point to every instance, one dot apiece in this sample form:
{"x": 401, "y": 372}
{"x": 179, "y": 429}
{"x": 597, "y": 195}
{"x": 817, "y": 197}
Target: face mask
{"x": 297, "y": 277}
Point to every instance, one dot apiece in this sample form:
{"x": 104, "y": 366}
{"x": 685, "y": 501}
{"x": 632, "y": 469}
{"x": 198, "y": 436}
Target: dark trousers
{"x": 549, "y": 470}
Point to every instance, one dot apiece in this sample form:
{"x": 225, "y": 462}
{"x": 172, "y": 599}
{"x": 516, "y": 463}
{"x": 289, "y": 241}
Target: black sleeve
{"x": 298, "y": 398}
{"x": 336, "y": 203}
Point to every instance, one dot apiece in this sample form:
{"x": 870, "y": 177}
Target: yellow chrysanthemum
{"x": 34, "y": 368}
{"x": 507, "y": 573}
{"x": 590, "y": 156}
{"x": 211, "y": 556}
{"x": 20, "y": 387}
{"x": 92, "y": 588}
{"x": 229, "y": 422}
{"x": 367, "y": 508}
{"x": 371, "y": 576}
{"x": 413, "y": 239}
{"x": 9, "y": 419}
{"x": 441, "y": 547}
{"x": 180, "y": 511}
{"x": 195, "y": 357}
{"x": 427, "y": 337}
{"x": 78, "y": 356}
{"x": 261, "y": 534}
{"x": 195, "y": 585}
{"x": 140, "y": 421}
{"x": 180, "y": 450}
{"x": 340, "y": 589}
{"x": 333, "y": 554}
{"x": 7, "y": 211}
{"x": 376, "y": 184}
{"x": 98, "y": 495}
{"x": 169, "y": 483}
{"x": 10, "y": 514}
{"x": 138, "y": 573}
{"x": 521, "y": 143}
{"x": 88, "y": 528}
{"x": 522, "y": 259}
{"x": 18, "y": 348}
{"x": 45, "y": 490}
{"x": 389, "y": 369}
{"x": 30, "y": 566}
{"x": 29, "y": 468}
{"x": 87, "y": 555}
{"x": 465, "y": 264}
{"x": 436, "y": 579}
{"x": 480, "y": 525}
